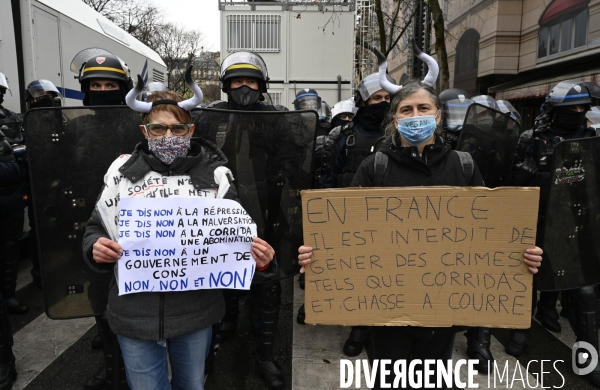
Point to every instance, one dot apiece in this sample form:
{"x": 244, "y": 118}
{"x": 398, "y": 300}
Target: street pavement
{"x": 58, "y": 355}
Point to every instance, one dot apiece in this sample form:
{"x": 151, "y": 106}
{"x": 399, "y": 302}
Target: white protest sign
{"x": 178, "y": 244}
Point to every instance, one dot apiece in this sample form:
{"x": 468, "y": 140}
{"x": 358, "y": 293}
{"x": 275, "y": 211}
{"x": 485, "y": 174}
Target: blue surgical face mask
{"x": 417, "y": 129}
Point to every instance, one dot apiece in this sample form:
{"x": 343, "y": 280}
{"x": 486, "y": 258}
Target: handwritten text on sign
{"x": 427, "y": 256}
{"x": 177, "y": 244}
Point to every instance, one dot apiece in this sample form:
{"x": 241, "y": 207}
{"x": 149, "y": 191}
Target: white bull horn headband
{"x": 430, "y": 78}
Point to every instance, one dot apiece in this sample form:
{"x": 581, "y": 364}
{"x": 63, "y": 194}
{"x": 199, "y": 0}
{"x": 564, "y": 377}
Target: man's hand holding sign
{"x": 420, "y": 256}
{"x": 170, "y": 245}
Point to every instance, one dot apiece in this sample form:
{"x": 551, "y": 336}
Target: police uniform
{"x": 536, "y": 147}
{"x": 269, "y": 160}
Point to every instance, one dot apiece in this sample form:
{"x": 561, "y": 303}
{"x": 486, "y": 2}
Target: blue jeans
{"x": 146, "y": 361}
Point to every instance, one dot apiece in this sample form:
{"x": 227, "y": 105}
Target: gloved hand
{"x": 526, "y": 171}
{"x": 6, "y": 152}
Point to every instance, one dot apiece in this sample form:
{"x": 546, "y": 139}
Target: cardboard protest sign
{"x": 423, "y": 256}
{"x": 178, "y": 244}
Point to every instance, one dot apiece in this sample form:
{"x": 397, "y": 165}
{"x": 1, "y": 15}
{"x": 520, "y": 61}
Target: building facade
{"x": 305, "y": 44}
{"x": 207, "y": 67}
{"x": 518, "y": 50}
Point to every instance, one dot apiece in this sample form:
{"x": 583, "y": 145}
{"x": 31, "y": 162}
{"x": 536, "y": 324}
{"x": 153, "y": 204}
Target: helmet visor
{"x": 308, "y": 102}
{"x": 454, "y": 112}
{"x": 487, "y": 101}
{"x": 324, "y": 112}
{"x": 86, "y": 54}
{"x": 40, "y": 87}
{"x": 507, "y": 108}
{"x": 244, "y": 60}
{"x": 369, "y": 85}
{"x": 155, "y": 87}
{"x": 593, "y": 115}
{"x": 3, "y": 81}
{"x": 569, "y": 93}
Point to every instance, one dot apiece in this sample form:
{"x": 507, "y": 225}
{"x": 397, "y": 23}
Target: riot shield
{"x": 572, "y": 226}
{"x": 70, "y": 150}
{"x": 270, "y": 155}
{"x": 491, "y": 137}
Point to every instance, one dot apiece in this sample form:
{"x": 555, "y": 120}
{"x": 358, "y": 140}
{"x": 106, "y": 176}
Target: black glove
{"x": 6, "y": 152}
{"x": 526, "y": 171}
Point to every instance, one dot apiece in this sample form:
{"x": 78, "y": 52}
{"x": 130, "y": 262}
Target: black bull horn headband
{"x": 145, "y": 107}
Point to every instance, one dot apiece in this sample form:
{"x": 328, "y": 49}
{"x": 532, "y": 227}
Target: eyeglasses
{"x": 346, "y": 117}
{"x": 159, "y": 129}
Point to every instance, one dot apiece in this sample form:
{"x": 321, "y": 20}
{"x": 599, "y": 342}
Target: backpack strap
{"x": 380, "y": 165}
{"x": 466, "y": 160}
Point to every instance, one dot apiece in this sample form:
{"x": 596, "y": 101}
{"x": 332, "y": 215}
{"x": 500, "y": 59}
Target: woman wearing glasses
{"x": 153, "y": 325}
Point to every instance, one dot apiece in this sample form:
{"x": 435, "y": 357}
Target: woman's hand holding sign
{"x": 262, "y": 253}
{"x": 106, "y": 251}
{"x": 304, "y": 254}
{"x": 533, "y": 258}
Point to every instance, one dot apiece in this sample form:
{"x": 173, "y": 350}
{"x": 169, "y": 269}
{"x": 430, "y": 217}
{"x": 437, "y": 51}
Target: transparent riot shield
{"x": 70, "y": 150}
{"x": 491, "y": 137}
{"x": 570, "y": 235}
{"x": 270, "y": 156}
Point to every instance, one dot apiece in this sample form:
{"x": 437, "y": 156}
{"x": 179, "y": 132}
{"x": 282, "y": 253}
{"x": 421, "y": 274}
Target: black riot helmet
{"x": 486, "y": 100}
{"x": 244, "y": 64}
{"x": 44, "y": 92}
{"x": 455, "y": 103}
{"x": 567, "y": 93}
{"x": 97, "y": 63}
{"x": 307, "y": 99}
{"x": 564, "y": 94}
{"x": 453, "y": 94}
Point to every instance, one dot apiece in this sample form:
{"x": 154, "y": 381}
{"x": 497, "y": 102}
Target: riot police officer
{"x": 455, "y": 103}
{"x": 343, "y": 112}
{"x": 38, "y": 94}
{"x": 105, "y": 81}
{"x": 346, "y": 147}
{"x": 13, "y": 209}
{"x": 324, "y": 113}
{"x": 42, "y": 94}
{"x": 563, "y": 117}
{"x": 11, "y": 213}
{"x": 307, "y": 99}
{"x": 244, "y": 79}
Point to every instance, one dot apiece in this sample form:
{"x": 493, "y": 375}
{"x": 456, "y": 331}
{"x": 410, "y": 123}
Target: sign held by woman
{"x": 435, "y": 256}
{"x": 170, "y": 245}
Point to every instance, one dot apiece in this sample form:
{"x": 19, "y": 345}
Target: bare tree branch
{"x": 402, "y": 32}
{"x": 381, "y": 25}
